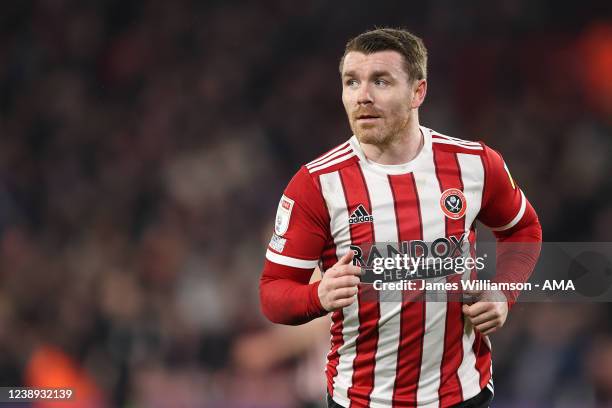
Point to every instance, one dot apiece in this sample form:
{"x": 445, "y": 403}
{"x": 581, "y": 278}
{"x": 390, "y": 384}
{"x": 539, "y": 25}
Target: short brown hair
{"x": 404, "y": 42}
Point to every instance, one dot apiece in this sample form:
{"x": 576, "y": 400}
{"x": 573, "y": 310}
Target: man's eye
{"x": 380, "y": 82}
{"x": 351, "y": 82}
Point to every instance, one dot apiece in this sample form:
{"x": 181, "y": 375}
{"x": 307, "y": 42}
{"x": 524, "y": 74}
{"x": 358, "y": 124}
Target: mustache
{"x": 365, "y": 112}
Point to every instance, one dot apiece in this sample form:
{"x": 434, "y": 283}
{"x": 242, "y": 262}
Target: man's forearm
{"x": 287, "y": 301}
{"x": 517, "y": 255}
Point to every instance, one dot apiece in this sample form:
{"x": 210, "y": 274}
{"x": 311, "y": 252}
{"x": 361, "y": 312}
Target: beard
{"x": 379, "y": 134}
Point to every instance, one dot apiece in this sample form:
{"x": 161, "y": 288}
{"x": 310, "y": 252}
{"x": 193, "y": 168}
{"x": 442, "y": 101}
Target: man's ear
{"x": 420, "y": 90}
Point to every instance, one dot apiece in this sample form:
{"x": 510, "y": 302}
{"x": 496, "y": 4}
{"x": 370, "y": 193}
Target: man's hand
{"x": 339, "y": 284}
{"x": 485, "y": 314}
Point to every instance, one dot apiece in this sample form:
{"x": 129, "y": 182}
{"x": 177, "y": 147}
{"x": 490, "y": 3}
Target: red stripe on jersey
{"x": 483, "y": 359}
{"x": 333, "y": 358}
{"x": 456, "y": 146}
{"x": 449, "y": 176}
{"x": 412, "y": 317}
{"x": 480, "y": 348}
{"x": 473, "y": 253}
{"x": 356, "y": 193}
{"x": 484, "y": 182}
{"x": 448, "y": 173}
{"x": 483, "y": 355}
{"x": 330, "y": 257}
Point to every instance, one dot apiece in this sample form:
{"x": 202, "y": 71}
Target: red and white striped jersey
{"x": 387, "y": 354}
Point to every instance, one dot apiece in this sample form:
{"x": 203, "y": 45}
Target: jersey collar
{"x": 396, "y": 168}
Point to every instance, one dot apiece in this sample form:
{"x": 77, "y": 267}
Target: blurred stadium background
{"x": 144, "y": 147}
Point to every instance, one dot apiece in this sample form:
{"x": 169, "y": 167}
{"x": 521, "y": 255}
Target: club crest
{"x": 453, "y": 203}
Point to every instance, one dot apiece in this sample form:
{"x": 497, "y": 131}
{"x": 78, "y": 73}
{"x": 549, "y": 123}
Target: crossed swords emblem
{"x": 453, "y": 204}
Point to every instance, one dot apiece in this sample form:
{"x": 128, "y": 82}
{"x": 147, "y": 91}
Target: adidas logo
{"x": 360, "y": 215}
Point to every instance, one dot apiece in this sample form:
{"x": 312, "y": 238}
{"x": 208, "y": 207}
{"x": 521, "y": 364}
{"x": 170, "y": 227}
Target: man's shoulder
{"x": 340, "y": 156}
{"x": 306, "y": 181}
{"x": 444, "y": 142}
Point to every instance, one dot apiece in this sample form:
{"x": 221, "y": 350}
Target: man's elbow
{"x": 268, "y": 305}
{"x": 532, "y": 231}
{"x": 528, "y": 229}
{"x": 264, "y": 301}
{"x": 270, "y": 312}
{"x": 276, "y": 304}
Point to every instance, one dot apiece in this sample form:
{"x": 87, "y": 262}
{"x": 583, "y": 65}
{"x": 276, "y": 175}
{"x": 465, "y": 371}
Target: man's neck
{"x": 399, "y": 151}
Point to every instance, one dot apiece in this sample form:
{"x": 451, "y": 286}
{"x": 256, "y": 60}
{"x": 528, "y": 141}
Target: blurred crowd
{"x": 144, "y": 147}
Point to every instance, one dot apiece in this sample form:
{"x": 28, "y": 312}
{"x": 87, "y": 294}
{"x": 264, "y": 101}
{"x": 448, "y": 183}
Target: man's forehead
{"x": 356, "y": 61}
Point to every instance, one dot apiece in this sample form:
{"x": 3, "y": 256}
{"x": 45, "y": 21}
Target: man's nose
{"x": 364, "y": 96}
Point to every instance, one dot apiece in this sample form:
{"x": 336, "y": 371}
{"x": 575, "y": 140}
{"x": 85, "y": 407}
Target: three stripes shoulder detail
{"x": 331, "y": 158}
{"x": 453, "y": 141}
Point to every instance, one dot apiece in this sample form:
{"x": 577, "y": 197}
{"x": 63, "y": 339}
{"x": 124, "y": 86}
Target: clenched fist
{"x": 488, "y": 313}
{"x": 340, "y": 284}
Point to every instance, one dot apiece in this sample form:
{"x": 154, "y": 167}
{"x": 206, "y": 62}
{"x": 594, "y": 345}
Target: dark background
{"x": 144, "y": 147}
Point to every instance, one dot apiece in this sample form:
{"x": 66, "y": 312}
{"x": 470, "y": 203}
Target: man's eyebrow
{"x": 376, "y": 74}
{"x": 381, "y": 73}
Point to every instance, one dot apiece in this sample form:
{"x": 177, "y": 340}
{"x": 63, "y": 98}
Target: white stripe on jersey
{"x": 488, "y": 343}
{"x": 518, "y": 216}
{"x": 434, "y": 226}
{"x": 472, "y": 174}
{"x": 331, "y": 187}
{"x": 451, "y": 142}
{"x": 288, "y": 261}
{"x": 385, "y": 230}
{"x": 469, "y": 376}
{"x": 326, "y": 155}
{"x": 455, "y": 139}
{"x": 490, "y": 386}
{"x": 331, "y": 163}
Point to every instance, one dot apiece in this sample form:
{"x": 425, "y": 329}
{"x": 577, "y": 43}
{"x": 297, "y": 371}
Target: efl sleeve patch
{"x": 277, "y": 243}
{"x": 283, "y": 215}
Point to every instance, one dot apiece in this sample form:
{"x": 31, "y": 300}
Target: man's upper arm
{"x": 301, "y": 225}
{"x": 300, "y": 233}
{"x": 504, "y": 205}
{"x": 508, "y": 213}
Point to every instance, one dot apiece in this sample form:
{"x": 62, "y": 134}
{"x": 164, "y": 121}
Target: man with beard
{"x": 395, "y": 181}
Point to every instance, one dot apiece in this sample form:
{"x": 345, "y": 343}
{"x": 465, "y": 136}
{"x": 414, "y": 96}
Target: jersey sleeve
{"x": 514, "y": 222}
{"x": 301, "y": 224}
{"x": 503, "y": 203}
{"x": 301, "y": 229}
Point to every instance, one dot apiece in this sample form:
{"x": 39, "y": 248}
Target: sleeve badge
{"x": 283, "y": 215}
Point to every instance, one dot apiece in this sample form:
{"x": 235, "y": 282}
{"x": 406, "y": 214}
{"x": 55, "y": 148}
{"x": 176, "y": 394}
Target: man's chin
{"x": 369, "y": 137}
